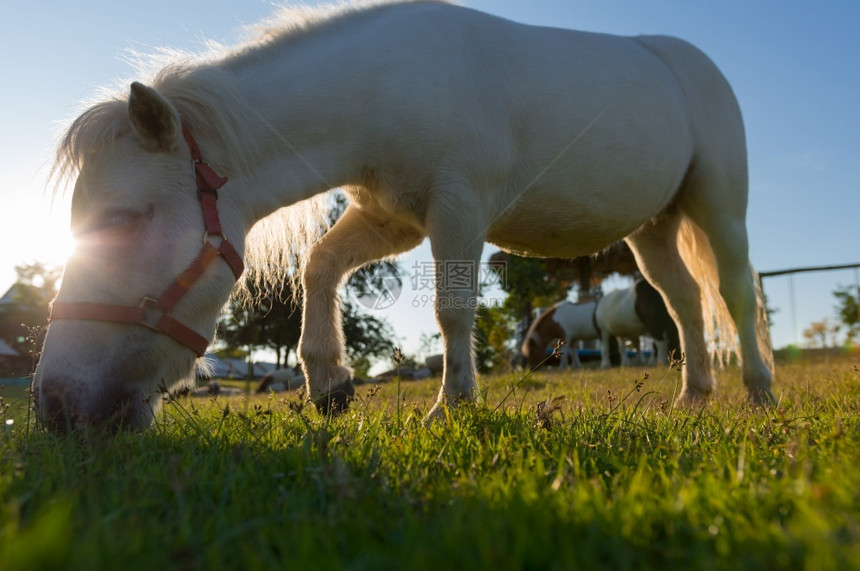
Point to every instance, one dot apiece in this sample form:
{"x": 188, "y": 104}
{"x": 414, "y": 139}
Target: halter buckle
{"x": 207, "y": 234}
{"x": 151, "y": 314}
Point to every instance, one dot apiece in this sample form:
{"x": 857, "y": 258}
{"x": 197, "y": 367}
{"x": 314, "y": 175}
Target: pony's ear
{"x": 154, "y": 119}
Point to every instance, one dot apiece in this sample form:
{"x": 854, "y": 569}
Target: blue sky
{"x": 793, "y": 65}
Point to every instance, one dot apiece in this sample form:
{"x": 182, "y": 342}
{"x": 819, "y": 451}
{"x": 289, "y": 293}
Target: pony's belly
{"x": 538, "y": 235}
{"x": 579, "y": 211}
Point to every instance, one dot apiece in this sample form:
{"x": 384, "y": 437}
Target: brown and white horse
{"x": 566, "y": 321}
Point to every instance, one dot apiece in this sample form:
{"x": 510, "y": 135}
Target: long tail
{"x": 720, "y": 330}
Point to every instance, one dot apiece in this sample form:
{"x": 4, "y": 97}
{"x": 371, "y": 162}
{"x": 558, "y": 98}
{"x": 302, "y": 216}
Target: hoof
{"x": 691, "y": 399}
{"x": 762, "y": 397}
{"x": 445, "y": 406}
{"x": 336, "y": 401}
{"x": 436, "y": 414}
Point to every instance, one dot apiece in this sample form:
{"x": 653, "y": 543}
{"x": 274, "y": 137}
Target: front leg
{"x": 574, "y": 354}
{"x": 359, "y": 236}
{"x": 456, "y": 232}
{"x": 565, "y": 357}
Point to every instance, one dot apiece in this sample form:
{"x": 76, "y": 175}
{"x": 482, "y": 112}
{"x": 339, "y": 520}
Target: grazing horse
{"x": 630, "y": 313}
{"x": 438, "y": 121}
{"x": 568, "y": 321}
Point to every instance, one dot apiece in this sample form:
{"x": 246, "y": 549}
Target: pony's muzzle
{"x": 60, "y": 414}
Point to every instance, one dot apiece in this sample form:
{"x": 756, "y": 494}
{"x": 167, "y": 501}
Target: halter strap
{"x": 155, "y": 313}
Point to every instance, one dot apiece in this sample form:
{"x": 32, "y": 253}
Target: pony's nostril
{"x": 54, "y": 412}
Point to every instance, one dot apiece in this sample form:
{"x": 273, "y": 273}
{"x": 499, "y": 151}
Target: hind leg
{"x": 356, "y": 238}
{"x": 744, "y": 300}
{"x": 656, "y": 251}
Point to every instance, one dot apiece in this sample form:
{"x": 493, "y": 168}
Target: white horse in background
{"x": 439, "y": 121}
{"x": 629, "y": 314}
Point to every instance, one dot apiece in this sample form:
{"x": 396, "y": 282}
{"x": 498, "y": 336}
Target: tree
{"x": 528, "y": 285}
{"x": 25, "y": 314}
{"x": 493, "y": 330}
{"x": 822, "y": 334}
{"x": 849, "y": 309}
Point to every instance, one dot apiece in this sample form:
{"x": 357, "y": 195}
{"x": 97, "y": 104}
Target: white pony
{"x": 441, "y": 122}
{"x": 629, "y": 314}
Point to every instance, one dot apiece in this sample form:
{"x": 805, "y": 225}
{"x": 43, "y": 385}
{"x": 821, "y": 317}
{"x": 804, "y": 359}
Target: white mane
{"x": 291, "y": 21}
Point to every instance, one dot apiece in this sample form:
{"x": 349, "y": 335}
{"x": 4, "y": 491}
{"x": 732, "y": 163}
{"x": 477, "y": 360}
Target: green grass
{"x": 608, "y": 477}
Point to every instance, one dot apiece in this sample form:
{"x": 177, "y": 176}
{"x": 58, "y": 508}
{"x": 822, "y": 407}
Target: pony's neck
{"x": 305, "y": 131}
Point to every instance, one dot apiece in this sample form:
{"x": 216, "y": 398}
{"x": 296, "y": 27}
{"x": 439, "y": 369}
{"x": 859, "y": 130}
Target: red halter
{"x": 155, "y": 313}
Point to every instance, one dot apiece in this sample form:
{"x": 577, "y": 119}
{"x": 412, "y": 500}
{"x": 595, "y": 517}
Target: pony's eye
{"x": 119, "y": 219}
{"x": 113, "y": 223}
